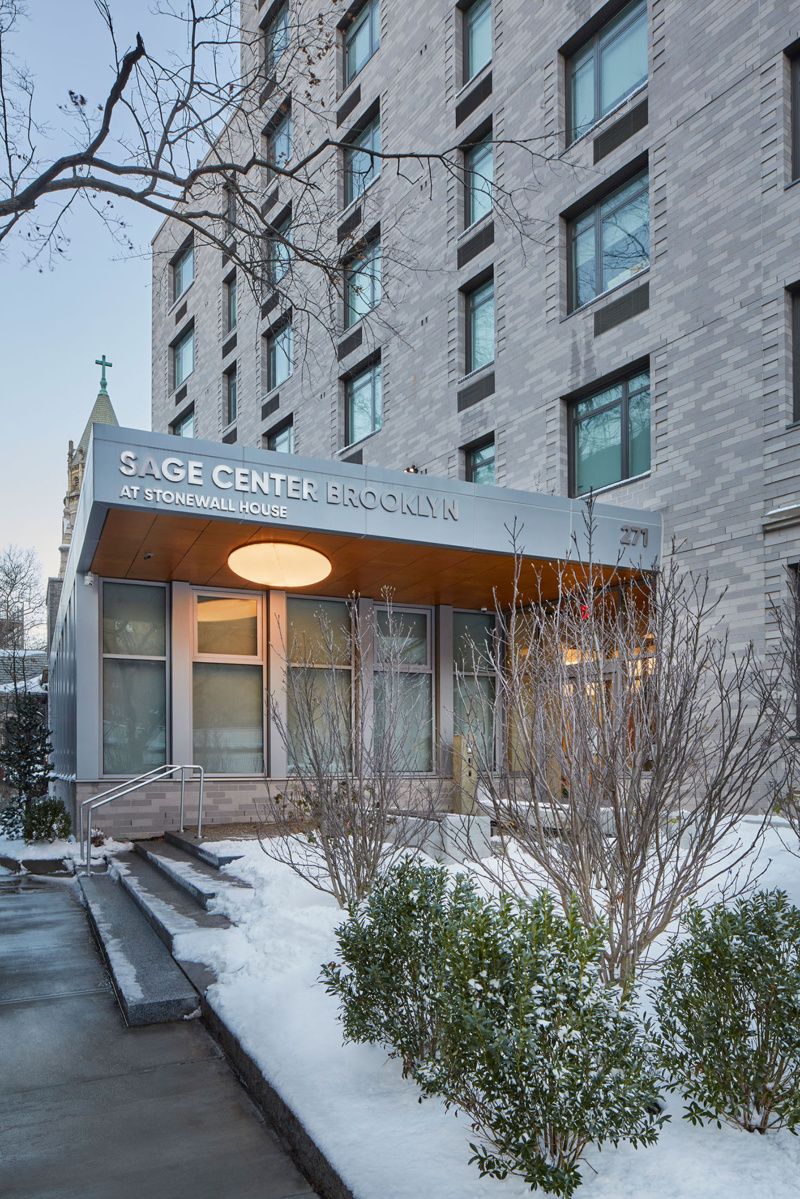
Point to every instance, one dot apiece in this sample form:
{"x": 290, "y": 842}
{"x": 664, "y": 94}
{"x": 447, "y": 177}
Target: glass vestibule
{"x": 220, "y": 676}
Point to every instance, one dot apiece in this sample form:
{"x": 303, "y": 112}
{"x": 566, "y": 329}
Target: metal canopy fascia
{"x": 143, "y": 473}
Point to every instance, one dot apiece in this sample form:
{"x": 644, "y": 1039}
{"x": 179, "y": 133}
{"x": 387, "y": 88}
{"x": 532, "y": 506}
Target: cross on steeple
{"x": 103, "y": 362}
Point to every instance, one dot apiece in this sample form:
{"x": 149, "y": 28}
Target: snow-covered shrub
{"x": 542, "y": 1055}
{"x": 45, "y": 820}
{"x": 498, "y": 1007}
{"x": 729, "y": 1008}
{"x": 12, "y": 819}
{"x": 392, "y": 949}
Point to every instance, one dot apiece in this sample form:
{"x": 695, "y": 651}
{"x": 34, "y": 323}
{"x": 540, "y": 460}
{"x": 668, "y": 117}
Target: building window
{"x": 794, "y": 297}
{"x": 134, "y": 678}
{"x": 229, "y": 300}
{"x": 609, "y": 67}
{"x": 474, "y": 681}
{"x": 403, "y": 685}
{"x": 319, "y": 681}
{"x": 184, "y": 425}
{"x": 361, "y": 164}
{"x": 279, "y": 253}
{"x": 478, "y": 180}
{"x": 479, "y": 327}
{"x": 279, "y": 355}
{"x": 183, "y": 358}
{"x": 230, "y": 209}
{"x": 362, "y": 404}
{"x": 182, "y": 271}
{"x": 609, "y": 242}
{"x": 479, "y": 462}
{"x": 794, "y": 68}
{"x": 229, "y": 395}
{"x": 279, "y": 144}
{"x": 610, "y": 434}
{"x": 227, "y": 684}
{"x": 362, "y": 284}
{"x": 361, "y": 40}
{"x": 280, "y": 439}
{"x": 276, "y": 38}
{"x": 477, "y": 38}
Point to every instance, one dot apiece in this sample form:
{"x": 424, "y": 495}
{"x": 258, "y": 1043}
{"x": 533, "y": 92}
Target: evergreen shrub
{"x": 728, "y": 1004}
{"x": 498, "y": 1007}
{"x": 45, "y": 820}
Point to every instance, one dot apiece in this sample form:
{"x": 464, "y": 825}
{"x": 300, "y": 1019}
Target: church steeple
{"x": 102, "y": 414}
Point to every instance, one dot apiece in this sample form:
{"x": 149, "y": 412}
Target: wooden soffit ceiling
{"x": 164, "y": 548}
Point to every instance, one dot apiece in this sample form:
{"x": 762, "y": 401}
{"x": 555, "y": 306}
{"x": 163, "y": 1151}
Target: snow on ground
{"x": 55, "y": 851}
{"x": 367, "y": 1119}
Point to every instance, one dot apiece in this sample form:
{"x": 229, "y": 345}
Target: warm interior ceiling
{"x": 165, "y": 547}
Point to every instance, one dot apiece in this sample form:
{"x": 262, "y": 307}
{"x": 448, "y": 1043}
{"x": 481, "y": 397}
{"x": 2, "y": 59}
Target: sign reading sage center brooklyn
{"x": 174, "y": 481}
{"x": 204, "y": 480}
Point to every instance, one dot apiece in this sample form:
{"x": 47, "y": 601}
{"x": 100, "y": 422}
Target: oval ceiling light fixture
{"x": 279, "y": 564}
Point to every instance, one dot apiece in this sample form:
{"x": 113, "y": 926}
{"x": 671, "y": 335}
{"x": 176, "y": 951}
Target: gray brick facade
{"x": 724, "y": 249}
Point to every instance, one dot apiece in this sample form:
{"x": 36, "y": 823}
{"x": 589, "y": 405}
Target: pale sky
{"x": 55, "y": 323}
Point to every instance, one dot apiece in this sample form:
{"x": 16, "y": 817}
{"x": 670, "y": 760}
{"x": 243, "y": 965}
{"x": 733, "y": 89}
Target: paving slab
{"x": 91, "y": 1109}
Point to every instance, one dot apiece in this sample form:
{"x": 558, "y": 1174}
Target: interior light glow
{"x": 280, "y": 564}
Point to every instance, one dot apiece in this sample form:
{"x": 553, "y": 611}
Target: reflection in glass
{"x": 227, "y": 625}
{"x": 228, "y": 717}
{"x": 319, "y": 631}
{"x": 318, "y": 718}
{"x": 134, "y": 716}
{"x": 480, "y": 328}
{"x": 478, "y": 38}
{"x": 404, "y": 714}
{"x": 401, "y": 637}
{"x": 134, "y": 620}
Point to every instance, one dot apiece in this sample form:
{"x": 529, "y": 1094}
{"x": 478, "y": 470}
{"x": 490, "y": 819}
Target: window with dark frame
{"x": 793, "y": 630}
{"x": 474, "y": 681}
{"x": 362, "y": 283}
{"x": 794, "y": 300}
{"x": 606, "y": 69}
{"x": 478, "y": 180}
{"x": 479, "y": 326}
{"x": 184, "y": 425}
{"x": 363, "y": 407}
{"x": 362, "y": 40}
{"x": 279, "y": 143}
{"x": 609, "y": 434}
{"x": 794, "y": 84}
{"x": 229, "y": 395}
{"x": 182, "y": 271}
{"x": 279, "y": 250}
{"x": 361, "y": 164}
{"x": 477, "y": 38}
{"x": 276, "y": 38}
{"x": 280, "y": 439}
{"x": 479, "y": 461}
{"x": 609, "y": 242}
{"x": 278, "y": 352}
{"x": 229, "y": 299}
{"x": 404, "y": 649}
{"x": 182, "y": 358}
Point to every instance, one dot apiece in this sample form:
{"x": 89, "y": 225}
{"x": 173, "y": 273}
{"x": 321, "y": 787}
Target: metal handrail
{"x": 135, "y": 784}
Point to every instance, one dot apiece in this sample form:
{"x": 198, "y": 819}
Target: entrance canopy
{"x": 161, "y": 508}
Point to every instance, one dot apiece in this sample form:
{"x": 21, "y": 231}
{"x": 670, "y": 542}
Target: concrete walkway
{"x": 90, "y": 1109}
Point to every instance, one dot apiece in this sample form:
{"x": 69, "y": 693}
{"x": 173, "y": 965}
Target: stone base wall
{"x": 152, "y": 810}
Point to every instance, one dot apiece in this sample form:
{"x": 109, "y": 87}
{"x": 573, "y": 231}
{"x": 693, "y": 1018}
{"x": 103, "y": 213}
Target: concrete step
{"x": 193, "y": 875}
{"x": 201, "y": 850}
{"x": 150, "y": 986}
{"x": 168, "y": 907}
